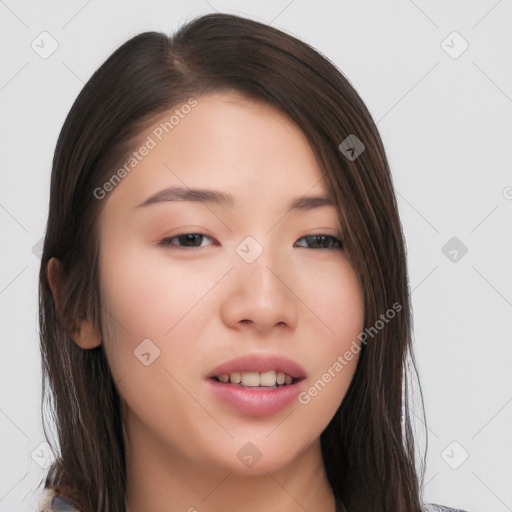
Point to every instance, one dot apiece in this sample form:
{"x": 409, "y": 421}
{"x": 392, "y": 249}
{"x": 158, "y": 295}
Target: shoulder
{"x": 434, "y": 507}
{"x": 44, "y": 501}
{"x": 51, "y": 502}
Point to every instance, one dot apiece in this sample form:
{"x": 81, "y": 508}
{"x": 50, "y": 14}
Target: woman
{"x": 225, "y": 314}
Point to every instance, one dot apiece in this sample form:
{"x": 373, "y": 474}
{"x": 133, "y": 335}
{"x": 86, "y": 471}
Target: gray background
{"x": 445, "y": 119}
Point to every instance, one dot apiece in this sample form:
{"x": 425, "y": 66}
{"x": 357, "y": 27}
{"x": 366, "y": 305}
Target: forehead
{"x": 227, "y": 142}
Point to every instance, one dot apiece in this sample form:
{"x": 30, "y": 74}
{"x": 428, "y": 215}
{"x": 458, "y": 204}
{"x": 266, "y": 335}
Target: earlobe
{"x": 85, "y": 336}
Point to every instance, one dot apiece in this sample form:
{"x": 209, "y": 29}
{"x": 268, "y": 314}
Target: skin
{"x": 204, "y": 305}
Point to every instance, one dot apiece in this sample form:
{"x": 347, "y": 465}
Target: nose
{"x": 261, "y": 296}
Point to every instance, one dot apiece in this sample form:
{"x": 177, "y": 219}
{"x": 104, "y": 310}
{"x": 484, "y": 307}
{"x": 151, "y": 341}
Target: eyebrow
{"x": 225, "y": 200}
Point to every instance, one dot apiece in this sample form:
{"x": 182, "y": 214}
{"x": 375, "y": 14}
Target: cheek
{"x": 145, "y": 300}
{"x": 339, "y": 306}
{"x": 335, "y": 295}
{"x": 150, "y": 327}
{"x": 327, "y": 385}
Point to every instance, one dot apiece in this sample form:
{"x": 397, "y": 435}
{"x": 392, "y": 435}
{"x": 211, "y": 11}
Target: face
{"x": 190, "y": 283}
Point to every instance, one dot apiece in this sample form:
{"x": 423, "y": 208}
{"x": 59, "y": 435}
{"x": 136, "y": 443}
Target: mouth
{"x": 257, "y": 384}
{"x": 271, "y": 379}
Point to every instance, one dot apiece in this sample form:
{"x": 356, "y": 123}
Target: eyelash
{"x": 167, "y": 242}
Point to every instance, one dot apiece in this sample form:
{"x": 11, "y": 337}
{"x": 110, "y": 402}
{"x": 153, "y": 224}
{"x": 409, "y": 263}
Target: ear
{"x": 85, "y": 336}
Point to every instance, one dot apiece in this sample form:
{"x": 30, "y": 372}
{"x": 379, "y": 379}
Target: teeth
{"x": 250, "y": 379}
{"x": 268, "y": 379}
{"x": 235, "y": 377}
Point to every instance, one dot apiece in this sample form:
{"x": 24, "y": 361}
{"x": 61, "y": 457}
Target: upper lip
{"x": 260, "y": 363}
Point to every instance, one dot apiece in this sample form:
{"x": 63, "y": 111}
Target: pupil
{"x": 192, "y": 237}
{"x": 319, "y": 240}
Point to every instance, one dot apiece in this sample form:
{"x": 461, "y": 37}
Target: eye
{"x": 192, "y": 240}
{"x": 187, "y": 239}
{"x": 322, "y": 242}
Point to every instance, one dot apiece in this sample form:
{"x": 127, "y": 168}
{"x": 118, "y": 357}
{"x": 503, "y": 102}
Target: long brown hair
{"x": 368, "y": 448}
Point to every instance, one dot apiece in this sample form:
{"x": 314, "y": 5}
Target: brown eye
{"x": 322, "y": 242}
{"x": 184, "y": 240}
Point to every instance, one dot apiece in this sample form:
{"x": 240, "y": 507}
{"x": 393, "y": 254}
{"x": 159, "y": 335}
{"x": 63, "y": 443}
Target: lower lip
{"x": 254, "y": 401}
